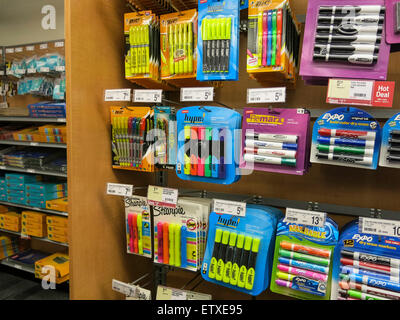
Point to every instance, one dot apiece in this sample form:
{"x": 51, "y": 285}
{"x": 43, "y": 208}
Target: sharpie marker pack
{"x": 207, "y": 144}
{"x": 218, "y": 40}
{"x": 366, "y": 266}
{"x": 302, "y": 265}
{"x": 390, "y": 148}
{"x": 275, "y": 140}
{"x": 239, "y": 250}
{"x": 138, "y": 226}
{"x": 346, "y": 137}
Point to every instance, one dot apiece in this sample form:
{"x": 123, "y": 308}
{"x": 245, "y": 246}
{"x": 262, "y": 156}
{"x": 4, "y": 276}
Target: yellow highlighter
{"x": 186, "y": 166}
{"x": 213, "y": 263}
{"x": 147, "y": 49}
{"x": 132, "y": 41}
{"x": 190, "y": 47}
{"x": 176, "y": 48}
{"x": 181, "y": 49}
{"x": 185, "y": 48}
{"x": 140, "y": 233}
{"x": 243, "y": 262}
{"x": 222, "y": 255}
{"x": 171, "y": 238}
{"x": 229, "y": 255}
{"x": 251, "y": 266}
{"x": 237, "y": 254}
{"x": 171, "y": 50}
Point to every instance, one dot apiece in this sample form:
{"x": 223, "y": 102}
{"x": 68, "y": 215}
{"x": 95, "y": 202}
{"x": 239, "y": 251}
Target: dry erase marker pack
{"x": 347, "y": 137}
{"x": 302, "y": 266}
{"x": 138, "y": 226}
{"x": 366, "y": 266}
{"x": 218, "y": 40}
{"x": 239, "y": 250}
{"x": 275, "y": 140}
{"x": 207, "y": 144}
{"x": 390, "y": 148}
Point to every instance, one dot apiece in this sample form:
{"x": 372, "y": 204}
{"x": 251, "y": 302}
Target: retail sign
{"x": 306, "y": 217}
{"x": 162, "y": 197}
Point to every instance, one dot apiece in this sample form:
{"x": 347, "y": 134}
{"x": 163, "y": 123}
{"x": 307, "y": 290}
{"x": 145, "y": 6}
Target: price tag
{"x": 306, "y": 217}
{"x": 10, "y": 50}
{"x": 124, "y": 288}
{"x": 31, "y": 70}
{"x": 117, "y": 95}
{"x": 3, "y": 105}
{"x": 379, "y": 227}
{"x": 266, "y": 95}
{"x": 31, "y": 170}
{"x": 3, "y": 168}
{"x": 163, "y": 197}
{"x": 61, "y": 119}
{"x": 150, "y": 96}
{"x": 59, "y": 44}
{"x": 34, "y": 144}
{"x": 43, "y": 46}
{"x": 229, "y": 207}
{"x": 1, "y": 73}
{"x": 19, "y": 49}
{"x": 44, "y": 69}
{"x": 197, "y": 94}
{"x": 60, "y": 68}
{"x": 30, "y": 48}
{"x": 117, "y": 189}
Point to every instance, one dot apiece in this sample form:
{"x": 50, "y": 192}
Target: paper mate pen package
{"x": 390, "y": 147}
{"x": 239, "y": 250}
{"x": 208, "y": 148}
{"x": 138, "y": 226}
{"x": 218, "y": 40}
{"x": 347, "y": 137}
{"x": 365, "y": 266}
{"x": 275, "y": 140}
{"x": 302, "y": 266}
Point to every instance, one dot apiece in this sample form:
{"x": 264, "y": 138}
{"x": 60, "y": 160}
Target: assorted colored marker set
{"x": 390, "y": 148}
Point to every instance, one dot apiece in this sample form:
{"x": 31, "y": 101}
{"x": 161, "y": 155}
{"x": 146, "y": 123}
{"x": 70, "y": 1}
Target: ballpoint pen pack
{"x": 133, "y": 138}
{"x": 390, "y": 147}
{"x": 302, "y": 266}
{"x": 218, "y": 40}
{"x": 347, "y": 137}
{"x": 138, "y": 226}
{"x": 239, "y": 250}
{"x": 344, "y": 39}
{"x": 208, "y": 148}
{"x": 273, "y": 41}
{"x": 166, "y": 137}
{"x": 365, "y": 266}
{"x": 275, "y": 140}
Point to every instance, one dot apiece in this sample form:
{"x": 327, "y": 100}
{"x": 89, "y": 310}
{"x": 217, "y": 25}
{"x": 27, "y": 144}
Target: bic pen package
{"x": 138, "y": 226}
{"x": 207, "y": 144}
{"x": 218, "y": 41}
{"x": 275, "y": 140}
{"x": 346, "y": 137}
{"x": 390, "y": 147}
{"x": 302, "y": 265}
{"x": 365, "y": 266}
{"x": 239, "y": 250}
{"x": 273, "y": 41}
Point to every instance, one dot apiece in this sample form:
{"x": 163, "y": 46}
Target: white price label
{"x": 145, "y": 95}
{"x": 163, "y": 197}
{"x": 124, "y": 288}
{"x": 19, "y": 49}
{"x": 59, "y": 44}
{"x": 361, "y": 90}
{"x": 266, "y": 95}
{"x": 30, "y": 48}
{"x": 30, "y": 170}
{"x": 229, "y": 207}
{"x": 117, "y": 95}
{"x": 117, "y": 189}
{"x": 10, "y": 50}
{"x": 44, "y": 69}
{"x": 197, "y": 94}
{"x": 3, "y": 105}
{"x": 43, "y": 46}
{"x": 306, "y": 217}
{"x": 31, "y": 70}
{"x": 379, "y": 227}
{"x": 60, "y": 68}
{"x": 35, "y": 144}
{"x": 1, "y": 73}
{"x": 3, "y": 168}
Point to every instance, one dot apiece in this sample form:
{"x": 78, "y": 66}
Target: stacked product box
{"x": 60, "y": 204}
{"x": 57, "y": 264}
{"x": 57, "y": 228}
{"x": 8, "y": 246}
{"x": 47, "y": 110}
{"x": 36, "y": 196}
{"x": 3, "y": 189}
{"x": 34, "y": 224}
{"x": 10, "y": 221}
{"x": 15, "y": 187}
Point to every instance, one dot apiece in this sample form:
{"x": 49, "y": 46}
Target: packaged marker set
{"x": 273, "y": 41}
{"x": 366, "y": 266}
{"x": 275, "y": 140}
{"x": 207, "y": 144}
{"x": 302, "y": 266}
{"x": 344, "y": 39}
{"x": 179, "y": 235}
{"x": 390, "y": 148}
{"x": 165, "y": 136}
{"x": 347, "y": 137}
{"x": 240, "y": 249}
{"x": 138, "y": 226}
{"x": 218, "y": 40}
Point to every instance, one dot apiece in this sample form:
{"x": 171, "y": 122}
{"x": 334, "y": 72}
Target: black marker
{"x": 359, "y": 256}
{"x": 392, "y": 149}
{"x": 354, "y": 159}
{"x": 394, "y": 140}
{"x": 352, "y": 9}
{"x": 367, "y": 59}
{"x": 345, "y": 48}
{"x": 362, "y": 38}
{"x": 365, "y": 19}
{"x": 349, "y": 29}
{"x": 392, "y": 158}
{"x": 395, "y": 132}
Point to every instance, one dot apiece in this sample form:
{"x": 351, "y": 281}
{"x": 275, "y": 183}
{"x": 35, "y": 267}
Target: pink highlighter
{"x": 201, "y": 131}
{"x": 301, "y": 272}
{"x": 160, "y": 242}
{"x": 265, "y": 38}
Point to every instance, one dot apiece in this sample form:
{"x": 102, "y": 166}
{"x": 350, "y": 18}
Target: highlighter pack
{"x": 239, "y": 250}
{"x": 346, "y": 137}
{"x": 138, "y": 226}
{"x": 366, "y": 266}
{"x": 302, "y": 265}
{"x": 275, "y": 140}
{"x": 207, "y": 144}
{"x": 390, "y": 148}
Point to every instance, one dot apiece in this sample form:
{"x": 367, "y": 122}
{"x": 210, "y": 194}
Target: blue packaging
{"x": 244, "y": 4}
{"x": 390, "y": 148}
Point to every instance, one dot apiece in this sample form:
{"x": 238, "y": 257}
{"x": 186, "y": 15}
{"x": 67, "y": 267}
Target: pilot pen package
{"x": 208, "y": 148}
{"x": 138, "y": 226}
{"x": 390, "y": 148}
{"x": 347, "y": 137}
{"x": 218, "y": 40}
{"x": 302, "y": 266}
{"x": 239, "y": 250}
{"x": 275, "y": 140}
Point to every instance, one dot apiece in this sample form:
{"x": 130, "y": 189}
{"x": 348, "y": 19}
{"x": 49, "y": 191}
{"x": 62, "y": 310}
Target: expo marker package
{"x": 347, "y": 137}
{"x": 208, "y": 148}
{"x": 239, "y": 250}
{"x": 218, "y": 40}
{"x": 302, "y": 266}
{"x": 390, "y": 148}
{"x": 365, "y": 266}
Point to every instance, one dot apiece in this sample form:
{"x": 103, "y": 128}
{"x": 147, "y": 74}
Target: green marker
{"x": 208, "y": 161}
{"x": 251, "y": 272}
{"x": 171, "y": 50}
{"x": 285, "y": 276}
{"x": 177, "y": 237}
{"x": 360, "y": 295}
{"x": 353, "y": 150}
{"x": 237, "y": 254}
{"x": 222, "y": 256}
{"x": 274, "y": 33}
{"x": 213, "y": 263}
{"x": 304, "y": 257}
{"x": 243, "y": 262}
{"x": 171, "y": 239}
{"x": 229, "y": 255}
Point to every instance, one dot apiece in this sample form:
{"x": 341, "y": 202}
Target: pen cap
{"x": 256, "y": 245}
{"x": 218, "y": 27}
{"x": 218, "y": 235}
{"x": 190, "y": 31}
{"x": 232, "y": 239}
{"x": 187, "y": 132}
{"x": 240, "y": 241}
{"x": 208, "y": 29}
{"x": 225, "y": 237}
{"x": 228, "y": 28}
{"x": 247, "y": 243}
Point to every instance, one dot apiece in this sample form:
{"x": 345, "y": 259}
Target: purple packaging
{"x": 391, "y": 21}
{"x": 271, "y": 133}
{"x": 310, "y": 68}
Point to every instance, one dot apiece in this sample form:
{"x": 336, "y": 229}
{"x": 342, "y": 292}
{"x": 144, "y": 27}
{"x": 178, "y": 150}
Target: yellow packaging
{"x": 16, "y": 227}
{"x": 10, "y": 218}
{"x": 57, "y": 221}
{"x": 57, "y": 230}
{"x": 59, "y": 261}
{"x": 60, "y": 204}
{"x": 40, "y": 232}
{"x": 34, "y": 216}
{"x": 57, "y": 237}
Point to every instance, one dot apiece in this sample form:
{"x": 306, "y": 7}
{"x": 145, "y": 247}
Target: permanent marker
{"x": 237, "y": 254}
{"x": 229, "y": 258}
{"x": 339, "y": 150}
{"x": 358, "y": 58}
{"x": 370, "y": 266}
{"x": 303, "y": 265}
{"x": 305, "y": 249}
{"x": 346, "y": 158}
{"x": 393, "y": 158}
{"x": 367, "y": 289}
{"x": 251, "y": 265}
{"x": 346, "y": 10}
{"x": 271, "y": 137}
{"x": 351, "y": 29}
{"x": 349, "y": 39}
{"x": 214, "y": 259}
{"x": 248, "y": 157}
{"x": 362, "y": 19}
{"x": 304, "y": 257}
{"x": 365, "y": 257}
{"x": 347, "y": 49}
{"x": 222, "y": 255}
{"x": 243, "y": 262}
{"x": 346, "y": 142}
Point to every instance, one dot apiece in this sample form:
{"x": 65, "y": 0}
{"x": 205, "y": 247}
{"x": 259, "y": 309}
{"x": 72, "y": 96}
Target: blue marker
{"x": 347, "y": 142}
{"x": 270, "y": 145}
{"x": 222, "y": 173}
{"x": 370, "y": 281}
{"x": 215, "y": 153}
{"x": 304, "y": 265}
{"x": 269, "y": 55}
{"x": 378, "y": 275}
{"x": 183, "y": 247}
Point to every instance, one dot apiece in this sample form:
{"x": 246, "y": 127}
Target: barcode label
{"x": 266, "y": 95}
{"x": 362, "y": 95}
{"x": 380, "y": 227}
{"x": 197, "y": 94}
{"x": 305, "y": 217}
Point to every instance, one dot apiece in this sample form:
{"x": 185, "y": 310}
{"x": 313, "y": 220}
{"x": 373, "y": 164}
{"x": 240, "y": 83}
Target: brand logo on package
{"x": 258, "y": 118}
{"x": 257, "y": 4}
{"x": 194, "y": 119}
{"x": 335, "y": 117}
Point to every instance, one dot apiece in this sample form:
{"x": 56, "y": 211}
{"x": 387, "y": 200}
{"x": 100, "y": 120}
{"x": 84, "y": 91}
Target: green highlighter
{"x": 251, "y": 272}
{"x": 213, "y": 263}
{"x": 222, "y": 255}
{"x": 208, "y": 161}
{"x": 171, "y": 50}
{"x": 237, "y": 254}
{"x": 304, "y": 257}
{"x": 243, "y": 262}
{"x": 229, "y": 255}
{"x": 171, "y": 239}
